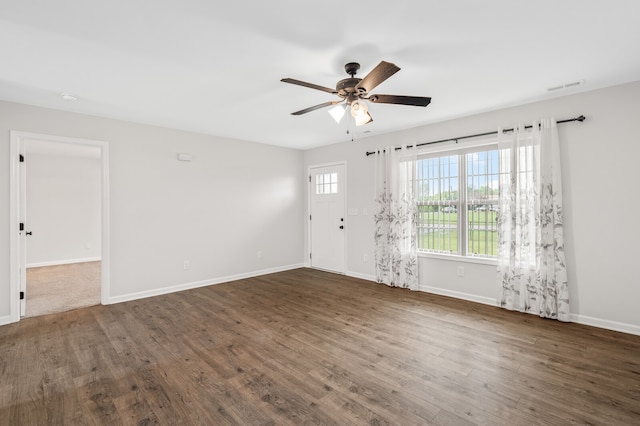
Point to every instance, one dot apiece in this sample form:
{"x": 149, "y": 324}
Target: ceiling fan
{"x": 353, "y": 91}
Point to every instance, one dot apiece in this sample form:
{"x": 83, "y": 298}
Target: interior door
{"x": 327, "y": 218}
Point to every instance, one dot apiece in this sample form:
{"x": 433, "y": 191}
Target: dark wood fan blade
{"x": 315, "y": 107}
{"x": 310, "y": 85}
{"x": 380, "y": 73}
{"x": 401, "y": 100}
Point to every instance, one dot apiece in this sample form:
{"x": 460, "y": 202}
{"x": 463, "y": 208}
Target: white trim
{"x": 361, "y": 276}
{"x": 105, "y": 268}
{"x": 577, "y": 318}
{"x": 17, "y": 138}
{"x": 14, "y": 237}
{"x": 458, "y": 258}
{"x": 335, "y": 163}
{"x": 606, "y": 324}
{"x": 454, "y": 147}
{"x": 5, "y": 320}
{"x": 196, "y": 284}
{"x": 459, "y": 295}
{"x": 63, "y": 262}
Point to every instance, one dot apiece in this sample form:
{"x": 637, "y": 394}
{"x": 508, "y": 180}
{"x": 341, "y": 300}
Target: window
{"x": 327, "y": 183}
{"x": 458, "y": 202}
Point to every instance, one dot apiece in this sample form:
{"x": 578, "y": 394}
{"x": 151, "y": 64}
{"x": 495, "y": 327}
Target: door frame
{"x": 17, "y": 265}
{"x": 346, "y": 230}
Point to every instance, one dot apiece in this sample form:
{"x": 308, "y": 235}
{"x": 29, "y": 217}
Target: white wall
{"x": 233, "y": 199}
{"x": 600, "y": 173}
{"x": 236, "y": 198}
{"x": 62, "y": 208}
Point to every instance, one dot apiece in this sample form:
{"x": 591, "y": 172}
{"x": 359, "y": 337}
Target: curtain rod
{"x": 568, "y": 120}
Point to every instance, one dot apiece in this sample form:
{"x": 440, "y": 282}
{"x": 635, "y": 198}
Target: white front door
{"x": 327, "y": 217}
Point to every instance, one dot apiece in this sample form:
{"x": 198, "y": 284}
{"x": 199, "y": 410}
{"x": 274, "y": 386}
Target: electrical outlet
{"x": 259, "y": 254}
{"x": 87, "y": 245}
{"x": 461, "y": 271}
{"x": 186, "y": 265}
{"x": 365, "y": 258}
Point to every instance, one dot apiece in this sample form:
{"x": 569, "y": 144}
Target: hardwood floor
{"x": 309, "y": 347}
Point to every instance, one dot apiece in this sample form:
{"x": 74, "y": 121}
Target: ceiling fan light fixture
{"x": 337, "y": 112}
{"x": 354, "y": 90}
{"x": 363, "y": 119}
{"x": 358, "y": 109}
{"x": 360, "y": 113}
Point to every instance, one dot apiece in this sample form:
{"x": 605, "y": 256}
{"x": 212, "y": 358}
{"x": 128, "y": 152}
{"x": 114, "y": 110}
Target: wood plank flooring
{"x": 309, "y": 347}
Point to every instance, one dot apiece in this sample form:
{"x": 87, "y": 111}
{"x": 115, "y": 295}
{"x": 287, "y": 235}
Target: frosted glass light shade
{"x": 360, "y": 113}
{"x": 358, "y": 108}
{"x": 363, "y": 119}
{"x": 337, "y": 112}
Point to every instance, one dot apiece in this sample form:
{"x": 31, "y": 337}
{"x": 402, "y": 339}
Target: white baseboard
{"x": 607, "y": 324}
{"x": 579, "y": 319}
{"x": 5, "y": 320}
{"x": 203, "y": 283}
{"x": 361, "y": 276}
{"x": 63, "y": 262}
{"x": 459, "y": 295}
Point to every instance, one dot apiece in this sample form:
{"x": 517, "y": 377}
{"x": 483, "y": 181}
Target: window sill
{"x": 458, "y": 258}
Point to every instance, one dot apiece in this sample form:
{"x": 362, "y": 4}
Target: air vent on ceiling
{"x": 566, "y": 86}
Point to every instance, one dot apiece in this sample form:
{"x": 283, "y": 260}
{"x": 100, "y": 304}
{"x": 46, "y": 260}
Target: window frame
{"x": 454, "y": 149}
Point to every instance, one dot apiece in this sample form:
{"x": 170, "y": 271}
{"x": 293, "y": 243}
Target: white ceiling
{"x": 215, "y": 67}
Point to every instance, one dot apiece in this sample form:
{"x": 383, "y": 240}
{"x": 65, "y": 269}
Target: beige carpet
{"x": 62, "y": 288}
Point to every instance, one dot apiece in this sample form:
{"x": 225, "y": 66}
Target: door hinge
{"x": 22, "y": 295}
{"x": 309, "y": 217}
{"x": 309, "y": 255}
{"x": 21, "y": 226}
{"x": 21, "y": 158}
{"x": 309, "y": 178}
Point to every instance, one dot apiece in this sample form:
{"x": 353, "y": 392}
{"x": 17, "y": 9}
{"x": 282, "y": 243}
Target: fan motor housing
{"x": 348, "y": 85}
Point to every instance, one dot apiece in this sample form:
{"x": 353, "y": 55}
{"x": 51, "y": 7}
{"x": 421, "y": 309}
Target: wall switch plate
{"x": 186, "y": 265}
{"x": 259, "y": 254}
{"x": 461, "y": 271}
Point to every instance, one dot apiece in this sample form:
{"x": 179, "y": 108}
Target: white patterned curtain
{"x": 396, "y": 214}
{"x": 531, "y": 263}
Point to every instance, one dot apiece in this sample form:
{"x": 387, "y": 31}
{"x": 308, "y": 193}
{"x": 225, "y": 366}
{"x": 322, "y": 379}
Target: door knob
{"x": 29, "y": 233}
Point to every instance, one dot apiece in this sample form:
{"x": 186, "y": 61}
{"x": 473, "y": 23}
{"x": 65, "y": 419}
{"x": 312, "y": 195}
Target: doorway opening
{"x": 59, "y": 209}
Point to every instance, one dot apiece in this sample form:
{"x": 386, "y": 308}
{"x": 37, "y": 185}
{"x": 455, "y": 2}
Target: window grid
{"x": 327, "y": 183}
{"x": 482, "y": 203}
{"x": 458, "y": 203}
{"x": 438, "y": 204}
